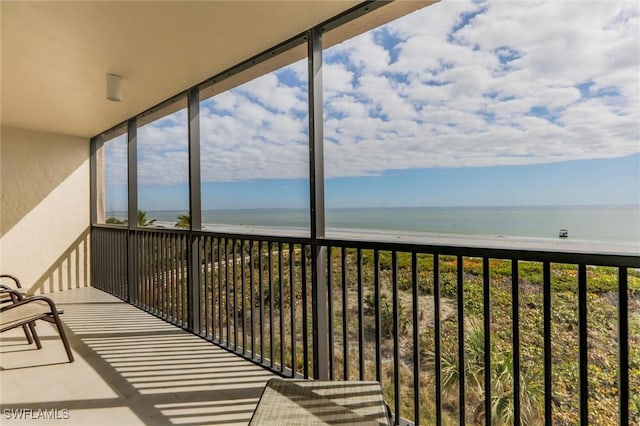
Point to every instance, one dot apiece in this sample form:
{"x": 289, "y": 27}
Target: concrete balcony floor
{"x": 131, "y": 368}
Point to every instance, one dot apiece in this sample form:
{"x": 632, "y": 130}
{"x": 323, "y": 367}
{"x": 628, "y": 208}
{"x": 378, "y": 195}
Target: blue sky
{"x": 460, "y": 103}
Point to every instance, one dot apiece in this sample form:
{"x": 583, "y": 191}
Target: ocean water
{"x": 599, "y": 223}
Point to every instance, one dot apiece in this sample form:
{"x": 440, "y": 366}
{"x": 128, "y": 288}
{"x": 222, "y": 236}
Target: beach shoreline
{"x": 499, "y": 242}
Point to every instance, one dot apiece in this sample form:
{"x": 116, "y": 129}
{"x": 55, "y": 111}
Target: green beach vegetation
{"x": 115, "y": 221}
{"x": 184, "y": 221}
{"x": 143, "y": 220}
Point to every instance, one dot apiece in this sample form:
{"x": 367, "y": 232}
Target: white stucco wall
{"x": 44, "y": 210}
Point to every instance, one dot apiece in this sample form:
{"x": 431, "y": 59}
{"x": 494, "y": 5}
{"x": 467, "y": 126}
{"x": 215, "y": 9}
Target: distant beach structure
{"x": 563, "y": 233}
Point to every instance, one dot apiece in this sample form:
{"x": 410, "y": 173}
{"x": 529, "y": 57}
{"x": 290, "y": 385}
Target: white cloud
{"x": 336, "y": 79}
{"x": 501, "y": 89}
{"x": 163, "y": 151}
{"x": 459, "y": 83}
{"x": 115, "y": 161}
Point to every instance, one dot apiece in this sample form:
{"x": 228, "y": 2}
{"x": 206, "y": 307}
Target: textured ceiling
{"x": 55, "y": 55}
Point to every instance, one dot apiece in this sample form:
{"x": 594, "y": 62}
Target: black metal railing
{"x": 109, "y": 260}
{"x": 254, "y": 298}
{"x": 454, "y": 334}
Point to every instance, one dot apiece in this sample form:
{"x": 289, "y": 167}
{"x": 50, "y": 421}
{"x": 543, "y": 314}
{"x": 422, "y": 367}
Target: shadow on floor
{"x": 131, "y": 368}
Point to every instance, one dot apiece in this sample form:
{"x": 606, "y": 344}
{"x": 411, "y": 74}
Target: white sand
{"x": 567, "y": 245}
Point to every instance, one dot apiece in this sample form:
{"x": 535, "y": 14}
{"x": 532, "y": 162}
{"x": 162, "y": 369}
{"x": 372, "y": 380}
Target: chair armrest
{"x": 11, "y": 277}
{"x": 15, "y": 295}
{"x": 27, "y": 300}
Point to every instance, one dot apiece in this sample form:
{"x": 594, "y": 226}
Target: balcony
{"x": 417, "y": 318}
{"x": 231, "y": 107}
{"x": 210, "y": 339}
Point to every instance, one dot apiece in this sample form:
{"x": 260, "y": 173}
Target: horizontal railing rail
{"x": 465, "y": 335}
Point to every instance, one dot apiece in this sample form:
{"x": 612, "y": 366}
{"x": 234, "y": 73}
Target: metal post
{"x": 132, "y": 190}
{"x": 195, "y": 220}
{"x": 93, "y": 172}
{"x": 193, "y": 101}
{"x": 316, "y": 178}
{"x": 93, "y": 191}
{"x": 623, "y": 346}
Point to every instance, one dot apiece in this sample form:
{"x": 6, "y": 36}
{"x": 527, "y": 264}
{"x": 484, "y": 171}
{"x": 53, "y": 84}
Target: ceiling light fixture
{"x": 114, "y": 87}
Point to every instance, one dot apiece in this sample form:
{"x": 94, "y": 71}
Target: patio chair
{"x": 316, "y": 402}
{"x": 10, "y": 297}
{"x": 24, "y": 311}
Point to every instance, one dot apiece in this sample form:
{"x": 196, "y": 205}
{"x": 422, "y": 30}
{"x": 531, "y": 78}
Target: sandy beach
{"x": 568, "y": 245}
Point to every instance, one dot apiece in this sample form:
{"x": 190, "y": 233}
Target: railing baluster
{"x": 104, "y": 258}
{"x": 220, "y": 324}
{"x": 152, "y": 276}
{"x": 548, "y": 377}
{"x": 330, "y": 308}
{"x": 159, "y": 288}
{"x": 252, "y": 300}
{"x": 172, "y": 277}
{"x": 154, "y": 265}
{"x": 227, "y": 300}
{"x": 112, "y": 261}
{"x": 515, "y": 335}
{"x": 141, "y": 284}
{"x": 244, "y": 300}
{"x": 360, "y": 313}
{"x": 214, "y": 297}
{"x": 436, "y": 336}
{"x": 345, "y": 316}
{"x": 234, "y": 267}
{"x": 305, "y": 332}
{"x": 281, "y": 297}
{"x": 165, "y": 268}
{"x": 396, "y": 328}
{"x": 109, "y": 259}
{"x": 155, "y": 293}
{"x": 623, "y": 347}
{"x": 147, "y": 275}
{"x": 416, "y": 338}
{"x": 178, "y": 288}
{"x": 134, "y": 247}
{"x": 183, "y": 281}
{"x": 209, "y": 300}
{"x": 582, "y": 339}
{"x": 138, "y": 241}
{"x": 168, "y": 277}
{"x": 270, "y": 267}
{"x": 167, "y": 290}
{"x": 108, "y": 256}
{"x": 138, "y": 271}
{"x": 186, "y": 248}
{"x": 378, "y": 331}
{"x": 124, "y": 283}
{"x": 487, "y": 339}
{"x": 461, "y": 358}
{"x": 292, "y": 307}
{"x": 216, "y": 302}
{"x": 176, "y": 279}
{"x": 184, "y": 244}
{"x": 261, "y": 297}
